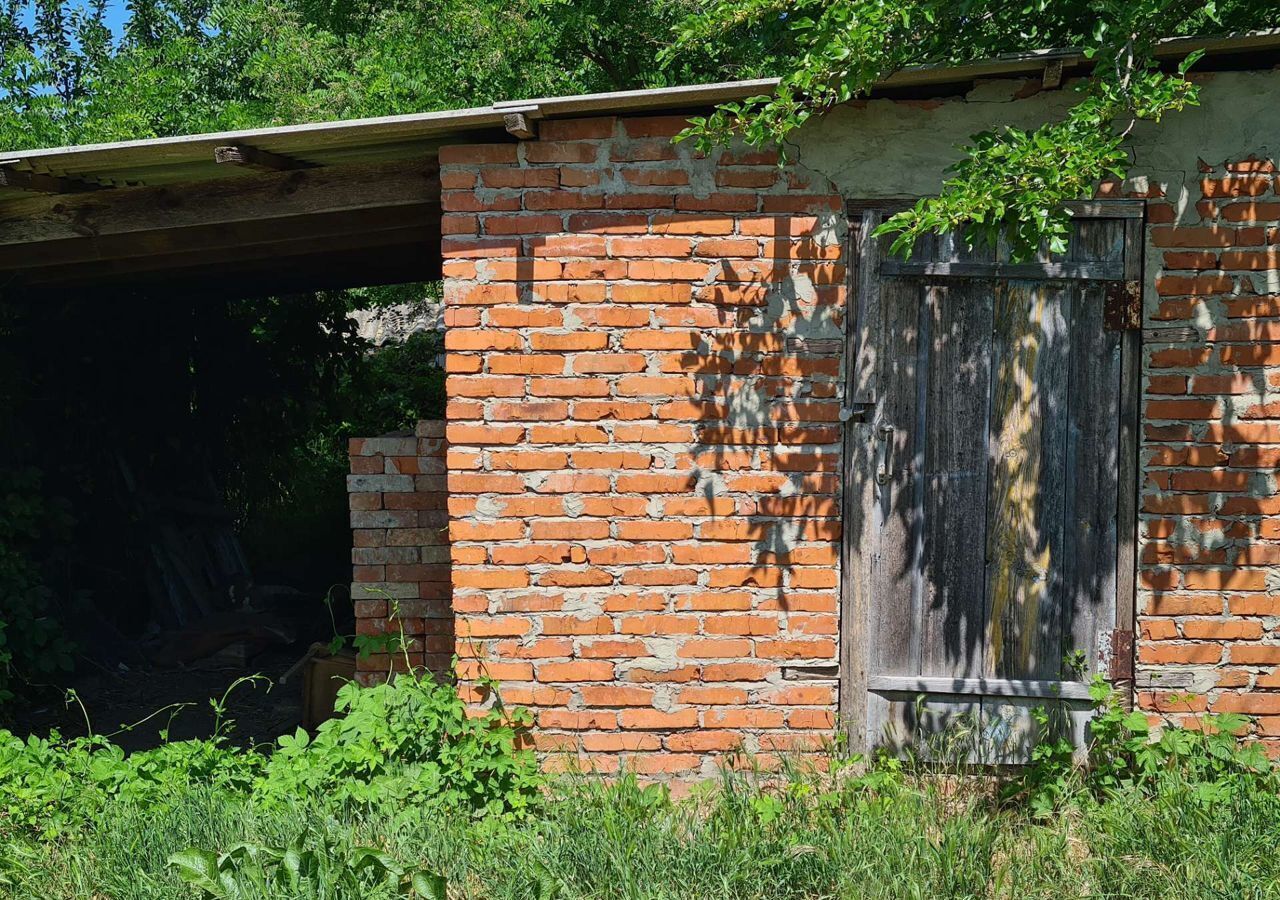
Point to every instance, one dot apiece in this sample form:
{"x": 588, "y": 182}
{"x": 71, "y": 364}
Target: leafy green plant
{"x": 252, "y": 870}
{"x": 390, "y": 643}
{"x": 827, "y": 827}
{"x": 410, "y": 740}
{"x": 49, "y": 785}
{"x": 1210, "y": 758}
{"x": 1209, "y": 762}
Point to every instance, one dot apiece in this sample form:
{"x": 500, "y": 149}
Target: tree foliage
{"x": 1010, "y": 181}
{"x": 184, "y": 66}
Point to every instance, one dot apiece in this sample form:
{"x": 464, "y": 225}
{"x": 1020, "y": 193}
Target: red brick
{"x": 1236, "y": 186}
{"x": 1222, "y": 630}
{"x": 578, "y": 670}
{"x": 1179, "y": 654}
{"x": 657, "y": 720}
{"x": 715, "y": 649}
{"x": 704, "y": 741}
{"x": 576, "y": 720}
{"x": 1249, "y": 704}
{"x": 728, "y": 717}
{"x": 712, "y": 696}
{"x": 622, "y": 742}
{"x": 736, "y": 671}
{"x": 617, "y": 695}
{"x": 1167, "y": 285}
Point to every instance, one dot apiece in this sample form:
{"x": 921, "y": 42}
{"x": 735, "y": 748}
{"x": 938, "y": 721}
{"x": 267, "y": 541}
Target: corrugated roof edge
{"x": 436, "y": 124}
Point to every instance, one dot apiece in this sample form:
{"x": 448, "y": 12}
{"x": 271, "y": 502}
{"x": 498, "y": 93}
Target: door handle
{"x": 885, "y": 433}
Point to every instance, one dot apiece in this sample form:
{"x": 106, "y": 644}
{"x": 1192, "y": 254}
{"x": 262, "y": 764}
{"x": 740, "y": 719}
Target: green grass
{"x": 808, "y": 837}
{"x": 405, "y": 787}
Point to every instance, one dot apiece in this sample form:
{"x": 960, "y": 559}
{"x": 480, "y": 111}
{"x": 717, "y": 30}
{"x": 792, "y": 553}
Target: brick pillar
{"x": 1209, "y": 607}
{"x": 644, "y": 377}
{"x": 400, "y": 554}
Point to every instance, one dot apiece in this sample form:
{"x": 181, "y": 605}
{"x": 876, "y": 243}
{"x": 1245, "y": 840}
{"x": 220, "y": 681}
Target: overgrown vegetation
{"x": 185, "y": 66}
{"x": 407, "y": 742}
{"x": 407, "y": 796}
{"x": 1010, "y": 182}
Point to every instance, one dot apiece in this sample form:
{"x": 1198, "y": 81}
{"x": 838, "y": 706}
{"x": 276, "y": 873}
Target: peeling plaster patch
{"x": 488, "y": 508}
{"x": 579, "y": 604}
{"x": 882, "y": 149}
{"x": 663, "y": 656}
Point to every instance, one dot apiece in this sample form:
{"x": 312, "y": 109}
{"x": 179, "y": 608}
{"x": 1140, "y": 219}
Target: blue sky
{"x": 116, "y": 15}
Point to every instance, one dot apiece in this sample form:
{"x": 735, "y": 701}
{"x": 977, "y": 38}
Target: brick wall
{"x": 1209, "y": 615}
{"x": 644, "y": 358}
{"x": 400, "y": 552}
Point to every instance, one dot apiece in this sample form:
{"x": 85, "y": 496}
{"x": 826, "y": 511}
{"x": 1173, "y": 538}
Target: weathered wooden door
{"x": 989, "y": 485}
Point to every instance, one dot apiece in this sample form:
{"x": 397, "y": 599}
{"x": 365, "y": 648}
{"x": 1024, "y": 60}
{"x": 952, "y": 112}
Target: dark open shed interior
{"x": 181, "y": 372}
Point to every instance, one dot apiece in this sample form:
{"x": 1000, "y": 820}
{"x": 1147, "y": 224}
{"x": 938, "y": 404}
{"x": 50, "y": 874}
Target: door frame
{"x": 1117, "y": 656}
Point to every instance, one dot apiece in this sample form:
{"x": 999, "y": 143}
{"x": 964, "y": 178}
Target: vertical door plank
{"x": 1010, "y": 731}
{"x": 896, "y": 649}
{"x": 863, "y": 360}
{"x": 1027, "y": 482}
{"x": 945, "y": 729}
{"x": 856, "y": 593}
{"x": 858, "y": 547}
{"x": 954, "y": 478}
{"x": 1089, "y": 597}
{"x": 894, "y": 641}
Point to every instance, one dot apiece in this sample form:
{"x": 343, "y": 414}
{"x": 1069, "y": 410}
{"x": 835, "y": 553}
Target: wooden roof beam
{"x": 1052, "y": 77}
{"x": 522, "y": 121}
{"x": 254, "y": 198}
{"x": 43, "y": 184}
{"x": 152, "y": 249}
{"x": 238, "y": 262}
{"x": 255, "y": 158}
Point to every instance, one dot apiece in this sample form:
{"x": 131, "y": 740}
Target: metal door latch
{"x": 886, "y": 448}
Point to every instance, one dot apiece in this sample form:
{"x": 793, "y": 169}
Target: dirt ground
{"x": 136, "y": 705}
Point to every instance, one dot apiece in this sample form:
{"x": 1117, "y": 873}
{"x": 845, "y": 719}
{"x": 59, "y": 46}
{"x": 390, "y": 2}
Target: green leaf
{"x": 199, "y": 868}
{"x": 430, "y": 885}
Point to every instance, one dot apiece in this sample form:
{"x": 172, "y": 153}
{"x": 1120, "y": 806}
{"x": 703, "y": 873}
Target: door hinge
{"x": 1122, "y": 307}
{"x": 857, "y": 412}
{"x": 1120, "y": 656}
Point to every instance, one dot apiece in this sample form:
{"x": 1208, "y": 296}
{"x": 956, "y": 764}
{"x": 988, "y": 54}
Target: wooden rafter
{"x": 520, "y": 125}
{"x": 1052, "y": 77}
{"x": 255, "y": 158}
{"x": 218, "y": 242}
{"x": 328, "y": 226}
{"x": 318, "y": 260}
{"x": 39, "y": 183}
{"x": 253, "y": 198}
